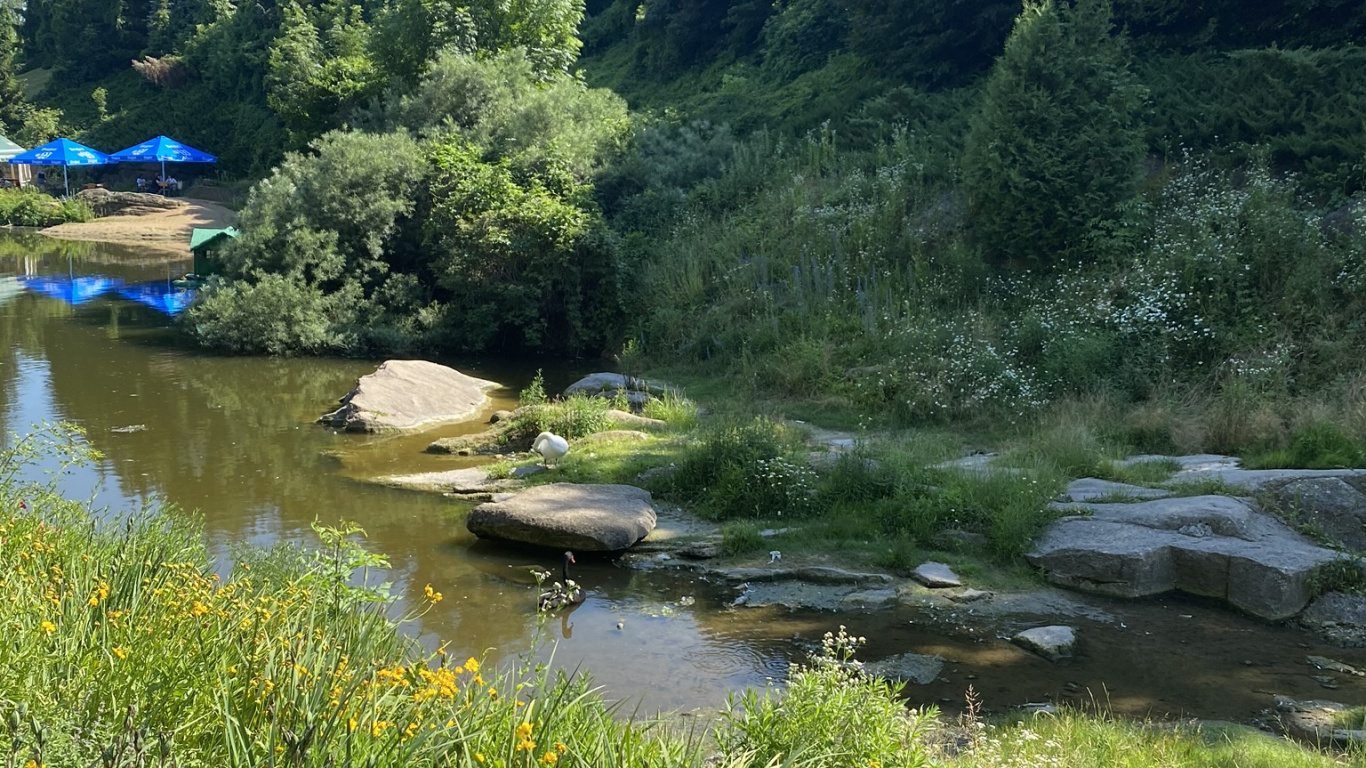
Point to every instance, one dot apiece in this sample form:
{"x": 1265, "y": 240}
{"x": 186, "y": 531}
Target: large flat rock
{"x": 587, "y": 518}
{"x": 1205, "y": 545}
{"x": 408, "y": 395}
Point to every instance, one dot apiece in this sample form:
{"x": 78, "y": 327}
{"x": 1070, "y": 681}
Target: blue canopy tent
{"x": 162, "y": 297}
{"x": 63, "y": 152}
{"x": 72, "y": 290}
{"x": 163, "y": 149}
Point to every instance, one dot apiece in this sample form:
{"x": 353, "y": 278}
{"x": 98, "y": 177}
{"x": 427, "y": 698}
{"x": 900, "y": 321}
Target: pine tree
{"x": 1053, "y": 155}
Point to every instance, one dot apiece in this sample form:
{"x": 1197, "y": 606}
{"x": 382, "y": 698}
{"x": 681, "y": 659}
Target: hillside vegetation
{"x": 911, "y": 211}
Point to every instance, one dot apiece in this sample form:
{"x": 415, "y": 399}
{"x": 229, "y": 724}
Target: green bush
{"x": 745, "y": 470}
{"x": 809, "y": 723}
{"x": 29, "y": 207}
{"x": 573, "y": 417}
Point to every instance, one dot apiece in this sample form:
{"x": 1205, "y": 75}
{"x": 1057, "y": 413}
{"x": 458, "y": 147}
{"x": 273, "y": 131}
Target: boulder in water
{"x": 409, "y": 395}
{"x": 584, "y": 518}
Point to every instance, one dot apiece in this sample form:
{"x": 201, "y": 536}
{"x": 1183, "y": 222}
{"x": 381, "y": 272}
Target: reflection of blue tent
{"x": 72, "y": 290}
{"x": 161, "y": 296}
{"x": 63, "y": 152}
{"x": 164, "y": 150}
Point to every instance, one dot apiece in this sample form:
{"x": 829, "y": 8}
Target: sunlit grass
{"x": 1073, "y": 740}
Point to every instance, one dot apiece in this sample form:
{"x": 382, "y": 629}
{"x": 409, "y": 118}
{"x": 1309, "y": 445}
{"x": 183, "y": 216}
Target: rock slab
{"x": 1052, "y": 643}
{"x": 587, "y": 518}
{"x": 1316, "y": 722}
{"x": 917, "y": 668}
{"x": 408, "y": 395}
{"x": 1206, "y": 545}
{"x": 936, "y": 575}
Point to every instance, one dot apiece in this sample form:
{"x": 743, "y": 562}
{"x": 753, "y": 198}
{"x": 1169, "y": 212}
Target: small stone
{"x": 1052, "y": 643}
{"x": 936, "y": 575}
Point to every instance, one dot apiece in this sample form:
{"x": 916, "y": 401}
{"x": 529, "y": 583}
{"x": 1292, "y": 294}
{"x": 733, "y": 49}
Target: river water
{"x": 85, "y": 336}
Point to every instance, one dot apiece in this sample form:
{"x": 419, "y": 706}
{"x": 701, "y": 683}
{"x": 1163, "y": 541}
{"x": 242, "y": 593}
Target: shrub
{"x": 29, "y": 207}
{"x": 1319, "y": 445}
{"x": 575, "y": 416}
{"x": 832, "y": 714}
{"x": 745, "y": 470}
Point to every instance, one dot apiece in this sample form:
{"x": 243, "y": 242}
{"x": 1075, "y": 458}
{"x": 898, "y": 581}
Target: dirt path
{"x": 164, "y": 230}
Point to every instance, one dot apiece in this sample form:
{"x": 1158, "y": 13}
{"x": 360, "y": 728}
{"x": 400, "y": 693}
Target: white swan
{"x": 551, "y": 446}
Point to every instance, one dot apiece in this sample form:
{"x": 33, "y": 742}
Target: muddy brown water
{"x": 233, "y": 438}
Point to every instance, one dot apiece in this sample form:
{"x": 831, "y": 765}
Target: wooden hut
{"x": 203, "y": 242}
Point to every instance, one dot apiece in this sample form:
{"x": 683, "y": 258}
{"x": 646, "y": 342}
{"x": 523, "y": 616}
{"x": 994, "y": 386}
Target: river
{"x": 85, "y": 337}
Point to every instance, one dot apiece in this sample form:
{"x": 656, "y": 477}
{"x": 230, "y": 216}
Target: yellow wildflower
{"x": 378, "y": 728}
{"x": 352, "y": 723}
{"x": 199, "y": 609}
{"x": 526, "y": 745}
{"x": 48, "y": 627}
{"x": 478, "y": 757}
{"x": 524, "y": 731}
{"x": 493, "y": 693}
{"x": 432, "y": 594}
{"x": 472, "y": 665}
{"x": 119, "y": 652}
{"x": 560, "y": 747}
{"x": 549, "y": 758}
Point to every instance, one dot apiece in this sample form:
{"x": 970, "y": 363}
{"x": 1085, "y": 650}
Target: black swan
{"x": 562, "y": 593}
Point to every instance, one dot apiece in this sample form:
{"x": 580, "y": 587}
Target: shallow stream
{"x": 233, "y": 439}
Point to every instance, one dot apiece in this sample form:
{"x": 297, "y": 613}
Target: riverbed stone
{"x": 1215, "y": 546}
{"x": 625, "y": 419}
{"x": 1314, "y": 722}
{"x": 408, "y": 395}
{"x": 1330, "y": 505}
{"x": 870, "y": 599}
{"x": 1091, "y": 489}
{"x": 933, "y": 574}
{"x": 1229, "y": 470}
{"x": 588, "y": 518}
{"x": 1340, "y": 618}
{"x": 1053, "y": 642}
{"x": 918, "y": 668}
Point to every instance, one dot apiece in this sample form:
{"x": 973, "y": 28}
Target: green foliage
{"x": 275, "y": 314}
{"x": 573, "y": 417}
{"x": 809, "y": 724}
{"x": 744, "y": 470}
{"x": 1318, "y": 445}
{"x": 678, "y": 411}
{"x": 28, "y": 207}
{"x": 527, "y": 263}
{"x": 534, "y": 394}
{"x": 1052, "y": 157}
{"x": 741, "y": 537}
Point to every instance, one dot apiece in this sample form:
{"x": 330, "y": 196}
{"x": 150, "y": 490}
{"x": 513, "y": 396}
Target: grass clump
{"x": 1319, "y": 445}
{"x": 1071, "y": 739}
{"x": 678, "y": 411}
{"x": 741, "y": 537}
{"x": 573, "y": 417}
{"x": 830, "y": 715}
{"x": 744, "y": 470}
{"x": 28, "y": 207}
{"x": 1138, "y": 472}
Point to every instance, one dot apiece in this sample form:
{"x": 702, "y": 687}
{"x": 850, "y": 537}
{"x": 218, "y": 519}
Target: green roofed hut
{"x": 203, "y": 242}
{"x": 16, "y": 175}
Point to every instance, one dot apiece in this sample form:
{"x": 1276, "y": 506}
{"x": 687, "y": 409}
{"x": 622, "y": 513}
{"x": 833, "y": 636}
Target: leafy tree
{"x": 498, "y": 104}
{"x": 1053, "y": 153}
{"x": 547, "y": 30}
{"x": 936, "y": 42}
{"x": 320, "y": 68}
{"x": 524, "y": 257}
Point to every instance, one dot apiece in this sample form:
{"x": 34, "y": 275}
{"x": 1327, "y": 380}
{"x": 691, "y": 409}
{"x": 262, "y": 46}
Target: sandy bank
{"x": 164, "y": 230}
